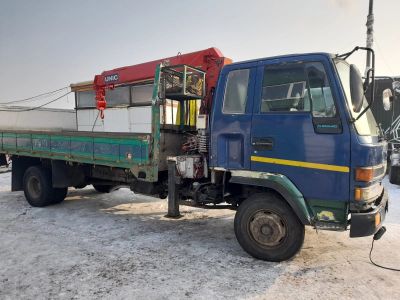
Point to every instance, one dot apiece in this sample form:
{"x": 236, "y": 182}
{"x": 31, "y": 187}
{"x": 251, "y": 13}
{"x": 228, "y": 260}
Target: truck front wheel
{"x": 267, "y": 228}
{"x": 38, "y": 188}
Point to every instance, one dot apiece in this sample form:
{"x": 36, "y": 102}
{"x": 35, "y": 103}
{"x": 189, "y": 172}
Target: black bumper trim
{"x": 363, "y": 224}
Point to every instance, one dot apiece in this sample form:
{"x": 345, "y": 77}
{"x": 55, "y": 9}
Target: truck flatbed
{"x": 121, "y": 150}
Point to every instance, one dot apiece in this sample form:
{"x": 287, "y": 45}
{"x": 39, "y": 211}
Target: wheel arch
{"x": 279, "y": 184}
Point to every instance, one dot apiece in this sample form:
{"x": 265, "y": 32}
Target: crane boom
{"x": 209, "y": 60}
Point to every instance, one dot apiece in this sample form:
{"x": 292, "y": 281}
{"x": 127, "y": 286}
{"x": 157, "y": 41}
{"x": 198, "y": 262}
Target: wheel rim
{"x": 267, "y": 228}
{"x": 34, "y": 187}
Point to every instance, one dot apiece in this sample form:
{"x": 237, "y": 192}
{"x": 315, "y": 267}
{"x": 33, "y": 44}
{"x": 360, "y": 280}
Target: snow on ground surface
{"x": 120, "y": 246}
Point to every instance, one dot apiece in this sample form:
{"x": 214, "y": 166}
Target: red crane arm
{"x": 210, "y": 60}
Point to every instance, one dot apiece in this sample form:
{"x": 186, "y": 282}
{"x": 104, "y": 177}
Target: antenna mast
{"x": 370, "y": 34}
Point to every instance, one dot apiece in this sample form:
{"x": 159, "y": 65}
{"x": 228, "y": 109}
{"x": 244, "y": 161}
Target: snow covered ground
{"x": 120, "y": 246}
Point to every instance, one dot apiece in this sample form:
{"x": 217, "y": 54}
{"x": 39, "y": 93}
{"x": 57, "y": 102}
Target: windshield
{"x": 366, "y": 125}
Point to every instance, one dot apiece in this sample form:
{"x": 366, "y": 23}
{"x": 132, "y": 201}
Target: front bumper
{"x": 364, "y": 223}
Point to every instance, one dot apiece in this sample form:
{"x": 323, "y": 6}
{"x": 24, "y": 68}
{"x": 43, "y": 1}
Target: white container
{"x": 43, "y": 119}
{"x": 119, "y": 119}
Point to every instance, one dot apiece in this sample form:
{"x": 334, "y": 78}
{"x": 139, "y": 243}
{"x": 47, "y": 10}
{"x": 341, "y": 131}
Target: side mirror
{"x": 356, "y": 89}
{"x": 396, "y": 86}
{"x": 387, "y": 99}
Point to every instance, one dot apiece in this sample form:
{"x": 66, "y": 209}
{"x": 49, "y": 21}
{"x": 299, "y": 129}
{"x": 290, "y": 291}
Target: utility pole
{"x": 370, "y": 34}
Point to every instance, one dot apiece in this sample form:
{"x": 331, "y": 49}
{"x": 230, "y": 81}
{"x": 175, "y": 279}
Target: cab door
{"x": 232, "y": 116}
{"x": 297, "y": 130}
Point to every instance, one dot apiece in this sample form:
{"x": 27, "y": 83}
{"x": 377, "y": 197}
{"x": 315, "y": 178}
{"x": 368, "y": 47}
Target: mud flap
{"x": 3, "y": 160}
{"x": 394, "y": 175}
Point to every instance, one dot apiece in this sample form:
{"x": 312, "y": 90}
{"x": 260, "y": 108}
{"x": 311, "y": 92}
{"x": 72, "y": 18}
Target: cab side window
{"x": 320, "y": 91}
{"x": 284, "y": 89}
{"x": 235, "y": 98}
{"x": 297, "y": 87}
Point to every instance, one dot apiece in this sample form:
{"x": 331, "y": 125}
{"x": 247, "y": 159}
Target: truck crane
{"x": 286, "y": 141}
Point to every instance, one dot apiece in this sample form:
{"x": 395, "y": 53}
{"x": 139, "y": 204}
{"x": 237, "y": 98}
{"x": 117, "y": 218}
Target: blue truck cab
{"x": 285, "y": 135}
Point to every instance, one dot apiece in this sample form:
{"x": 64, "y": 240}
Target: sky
{"x": 48, "y": 44}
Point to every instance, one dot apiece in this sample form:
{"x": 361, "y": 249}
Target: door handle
{"x": 262, "y": 143}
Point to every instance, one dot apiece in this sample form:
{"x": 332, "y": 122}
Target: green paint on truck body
{"x": 329, "y": 211}
{"x": 282, "y": 185}
{"x": 315, "y": 211}
{"x": 155, "y": 128}
{"x": 128, "y": 151}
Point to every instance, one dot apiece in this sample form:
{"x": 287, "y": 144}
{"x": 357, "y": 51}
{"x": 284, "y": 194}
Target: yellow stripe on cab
{"x": 301, "y": 164}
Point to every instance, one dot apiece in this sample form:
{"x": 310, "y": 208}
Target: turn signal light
{"x": 377, "y": 219}
{"x": 357, "y": 194}
{"x": 364, "y": 174}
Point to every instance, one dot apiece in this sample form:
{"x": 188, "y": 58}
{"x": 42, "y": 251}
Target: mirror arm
{"x": 366, "y": 83}
{"x": 373, "y": 82}
{"x": 347, "y": 54}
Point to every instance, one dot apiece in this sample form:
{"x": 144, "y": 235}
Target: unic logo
{"x": 111, "y": 78}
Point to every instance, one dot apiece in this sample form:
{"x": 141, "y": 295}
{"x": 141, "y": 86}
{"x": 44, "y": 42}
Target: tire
{"x": 38, "y": 188}
{"x": 163, "y": 195}
{"x": 79, "y": 187}
{"x": 59, "y": 195}
{"x": 103, "y": 188}
{"x": 267, "y": 228}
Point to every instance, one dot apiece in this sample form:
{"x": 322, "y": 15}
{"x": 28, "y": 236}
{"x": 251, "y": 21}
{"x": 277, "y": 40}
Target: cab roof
{"x": 298, "y": 56}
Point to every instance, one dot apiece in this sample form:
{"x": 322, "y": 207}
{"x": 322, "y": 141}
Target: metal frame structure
{"x": 210, "y": 61}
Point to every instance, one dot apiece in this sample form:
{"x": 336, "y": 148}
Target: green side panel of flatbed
{"x": 119, "y": 150}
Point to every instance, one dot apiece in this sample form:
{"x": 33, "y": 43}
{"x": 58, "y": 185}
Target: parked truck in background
{"x": 387, "y": 91}
{"x": 287, "y": 141}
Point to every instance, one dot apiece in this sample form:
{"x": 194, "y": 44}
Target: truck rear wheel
{"x": 59, "y": 195}
{"x": 103, "y": 188}
{"x": 38, "y": 188}
{"x": 267, "y": 228}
